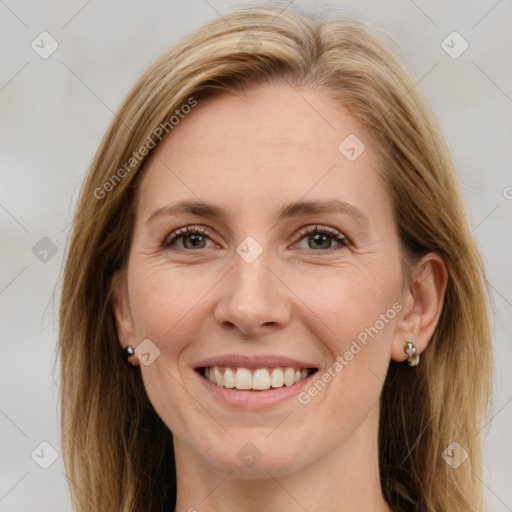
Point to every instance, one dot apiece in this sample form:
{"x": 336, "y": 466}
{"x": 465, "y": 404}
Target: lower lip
{"x": 250, "y": 399}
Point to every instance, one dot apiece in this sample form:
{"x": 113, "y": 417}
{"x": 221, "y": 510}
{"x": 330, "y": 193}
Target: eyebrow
{"x": 288, "y": 211}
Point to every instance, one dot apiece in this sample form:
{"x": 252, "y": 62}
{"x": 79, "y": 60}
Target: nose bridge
{"x": 252, "y": 277}
{"x": 252, "y": 296}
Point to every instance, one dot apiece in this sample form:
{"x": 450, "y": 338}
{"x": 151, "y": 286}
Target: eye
{"x": 190, "y": 237}
{"x": 195, "y": 237}
{"x": 322, "y": 237}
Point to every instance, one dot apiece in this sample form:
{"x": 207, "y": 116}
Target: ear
{"x": 122, "y": 312}
{"x": 422, "y": 302}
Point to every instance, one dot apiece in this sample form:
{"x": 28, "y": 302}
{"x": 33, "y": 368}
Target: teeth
{"x": 277, "y": 378}
{"x": 243, "y": 379}
{"x": 210, "y": 375}
{"x": 218, "y": 376}
{"x": 259, "y": 379}
{"x": 229, "y": 378}
{"x": 289, "y": 377}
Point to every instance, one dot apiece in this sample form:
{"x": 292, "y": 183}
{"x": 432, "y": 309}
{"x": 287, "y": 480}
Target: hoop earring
{"x": 410, "y": 350}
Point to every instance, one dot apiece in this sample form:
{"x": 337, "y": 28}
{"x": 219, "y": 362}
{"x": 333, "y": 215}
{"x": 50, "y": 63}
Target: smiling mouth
{"x": 257, "y": 379}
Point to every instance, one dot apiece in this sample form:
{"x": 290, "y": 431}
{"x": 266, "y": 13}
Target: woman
{"x": 273, "y": 236}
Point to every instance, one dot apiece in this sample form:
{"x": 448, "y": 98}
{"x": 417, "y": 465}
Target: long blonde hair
{"x": 118, "y": 452}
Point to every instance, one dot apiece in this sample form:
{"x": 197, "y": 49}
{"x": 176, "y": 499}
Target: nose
{"x": 253, "y": 298}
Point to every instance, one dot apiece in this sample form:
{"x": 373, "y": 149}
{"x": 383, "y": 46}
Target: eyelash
{"x": 309, "y": 230}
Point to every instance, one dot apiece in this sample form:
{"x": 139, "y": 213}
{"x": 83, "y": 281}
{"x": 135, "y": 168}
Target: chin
{"x": 256, "y": 460}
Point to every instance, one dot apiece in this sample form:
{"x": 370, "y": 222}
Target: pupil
{"x": 319, "y": 238}
{"x": 195, "y": 239}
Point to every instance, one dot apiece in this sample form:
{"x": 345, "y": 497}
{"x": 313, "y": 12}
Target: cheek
{"x": 348, "y": 302}
{"x": 169, "y": 398}
{"x": 360, "y": 316}
{"x": 164, "y": 302}
{"x": 359, "y": 310}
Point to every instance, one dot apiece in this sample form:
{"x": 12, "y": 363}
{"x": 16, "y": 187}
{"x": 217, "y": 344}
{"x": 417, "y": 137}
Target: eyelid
{"x": 335, "y": 234}
{"x": 180, "y": 232}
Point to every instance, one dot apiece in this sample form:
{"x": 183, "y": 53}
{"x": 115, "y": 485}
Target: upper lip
{"x": 253, "y": 361}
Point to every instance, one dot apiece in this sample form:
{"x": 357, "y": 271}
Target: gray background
{"x": 54, "y": 112}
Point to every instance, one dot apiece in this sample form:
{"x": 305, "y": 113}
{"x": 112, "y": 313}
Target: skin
{"x": 251, "y": 154}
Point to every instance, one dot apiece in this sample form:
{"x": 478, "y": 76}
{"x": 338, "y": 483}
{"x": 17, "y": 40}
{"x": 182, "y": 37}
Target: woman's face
{"x": 286, "y": 258}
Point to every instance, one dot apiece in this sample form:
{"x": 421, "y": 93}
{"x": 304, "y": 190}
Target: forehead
{"x": 270, "y": 142}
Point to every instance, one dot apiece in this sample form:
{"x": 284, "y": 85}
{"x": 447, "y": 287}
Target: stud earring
{"x": 410, "y": 350}
{"x": 129, "y": 352}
